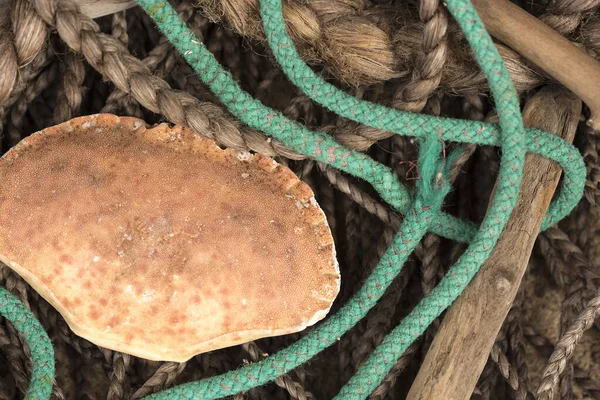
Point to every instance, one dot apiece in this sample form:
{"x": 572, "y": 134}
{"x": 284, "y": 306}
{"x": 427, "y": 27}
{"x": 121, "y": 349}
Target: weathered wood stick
{"x": 462, "y": 345}
{"x": 546, "y": 48}
{"x": 94, "y": 8}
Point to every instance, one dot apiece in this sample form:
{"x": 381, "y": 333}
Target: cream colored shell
{"x": 157, "y": 243}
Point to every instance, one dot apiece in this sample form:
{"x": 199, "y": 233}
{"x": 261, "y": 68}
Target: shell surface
{"x": 157, "y": 243}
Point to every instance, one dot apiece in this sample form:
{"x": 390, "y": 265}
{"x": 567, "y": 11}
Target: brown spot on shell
{"x": 66, "y": 259}
{"x": 196, "y": 298}
{"x": 94, "y": 313}
{"x": 177, "y": 318}
{"x": 159, "y": 231}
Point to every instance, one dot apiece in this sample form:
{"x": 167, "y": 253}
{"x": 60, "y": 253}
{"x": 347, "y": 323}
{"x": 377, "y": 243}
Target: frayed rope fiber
{"x": 422, "y": 211}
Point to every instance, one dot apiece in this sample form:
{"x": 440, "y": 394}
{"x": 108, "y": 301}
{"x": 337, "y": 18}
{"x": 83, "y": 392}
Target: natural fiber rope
{"x": 424, "y": 215}
{"x": 344, "y": 38}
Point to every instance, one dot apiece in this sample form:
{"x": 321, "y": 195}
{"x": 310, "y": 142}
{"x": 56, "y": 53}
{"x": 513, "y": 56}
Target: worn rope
{"x": 422, "y": 212}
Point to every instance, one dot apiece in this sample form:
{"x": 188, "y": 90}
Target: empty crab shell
{"x": 157, "y": 243}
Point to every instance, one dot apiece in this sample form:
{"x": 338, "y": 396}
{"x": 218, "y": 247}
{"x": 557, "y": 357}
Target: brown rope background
{"x": 56, "y": 64}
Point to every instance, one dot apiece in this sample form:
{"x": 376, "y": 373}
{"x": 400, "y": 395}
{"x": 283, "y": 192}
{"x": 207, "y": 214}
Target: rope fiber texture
{"x": 422, "y": 212}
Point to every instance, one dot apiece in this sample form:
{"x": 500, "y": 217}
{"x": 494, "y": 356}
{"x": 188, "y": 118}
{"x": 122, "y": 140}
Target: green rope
{"x": 421, "y": 125}
{"x": 422, "y": 212}
{"x": 36, "y": 338}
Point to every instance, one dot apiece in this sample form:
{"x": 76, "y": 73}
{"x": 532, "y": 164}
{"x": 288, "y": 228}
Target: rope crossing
{"x": 422, "y": 212}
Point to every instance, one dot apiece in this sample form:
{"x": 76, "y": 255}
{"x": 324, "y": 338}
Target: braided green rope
{"x": 36, "y": 338}
{"x": 327, "y": 150}
{"x": 422, "y": 213}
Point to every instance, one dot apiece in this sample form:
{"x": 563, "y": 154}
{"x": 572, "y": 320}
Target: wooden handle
{"x": 546, "y": 48}
{"x": 461, "y": 347}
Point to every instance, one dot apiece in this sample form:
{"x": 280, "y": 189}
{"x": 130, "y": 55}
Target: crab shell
{"x": 157, "y": 243}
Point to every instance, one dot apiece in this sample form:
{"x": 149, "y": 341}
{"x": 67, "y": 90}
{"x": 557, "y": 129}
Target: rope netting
{"x": 422, "y": 212}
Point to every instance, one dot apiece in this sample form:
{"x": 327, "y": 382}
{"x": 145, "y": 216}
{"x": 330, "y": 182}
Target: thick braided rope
{"x": 36, "y": 338}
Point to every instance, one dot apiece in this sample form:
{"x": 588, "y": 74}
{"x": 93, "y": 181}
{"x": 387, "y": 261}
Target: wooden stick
{"x": 94, "y": 8}
{"x": 546, "y": 48}
{"x": 468, "y": 332}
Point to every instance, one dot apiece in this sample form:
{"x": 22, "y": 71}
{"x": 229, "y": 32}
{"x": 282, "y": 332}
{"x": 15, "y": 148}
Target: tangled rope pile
{"x": 422, "y": 213}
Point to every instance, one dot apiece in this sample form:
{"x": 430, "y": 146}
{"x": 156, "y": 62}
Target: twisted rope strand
{"x": 565, "y": 347}
{"x": 22, "y": 36}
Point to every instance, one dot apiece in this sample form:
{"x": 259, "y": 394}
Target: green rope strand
{"x": 327, "y": 333}
{"x": 36, "y": 338}
{"x": 393, "y": 346}
{"x": 315, "y": 144}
